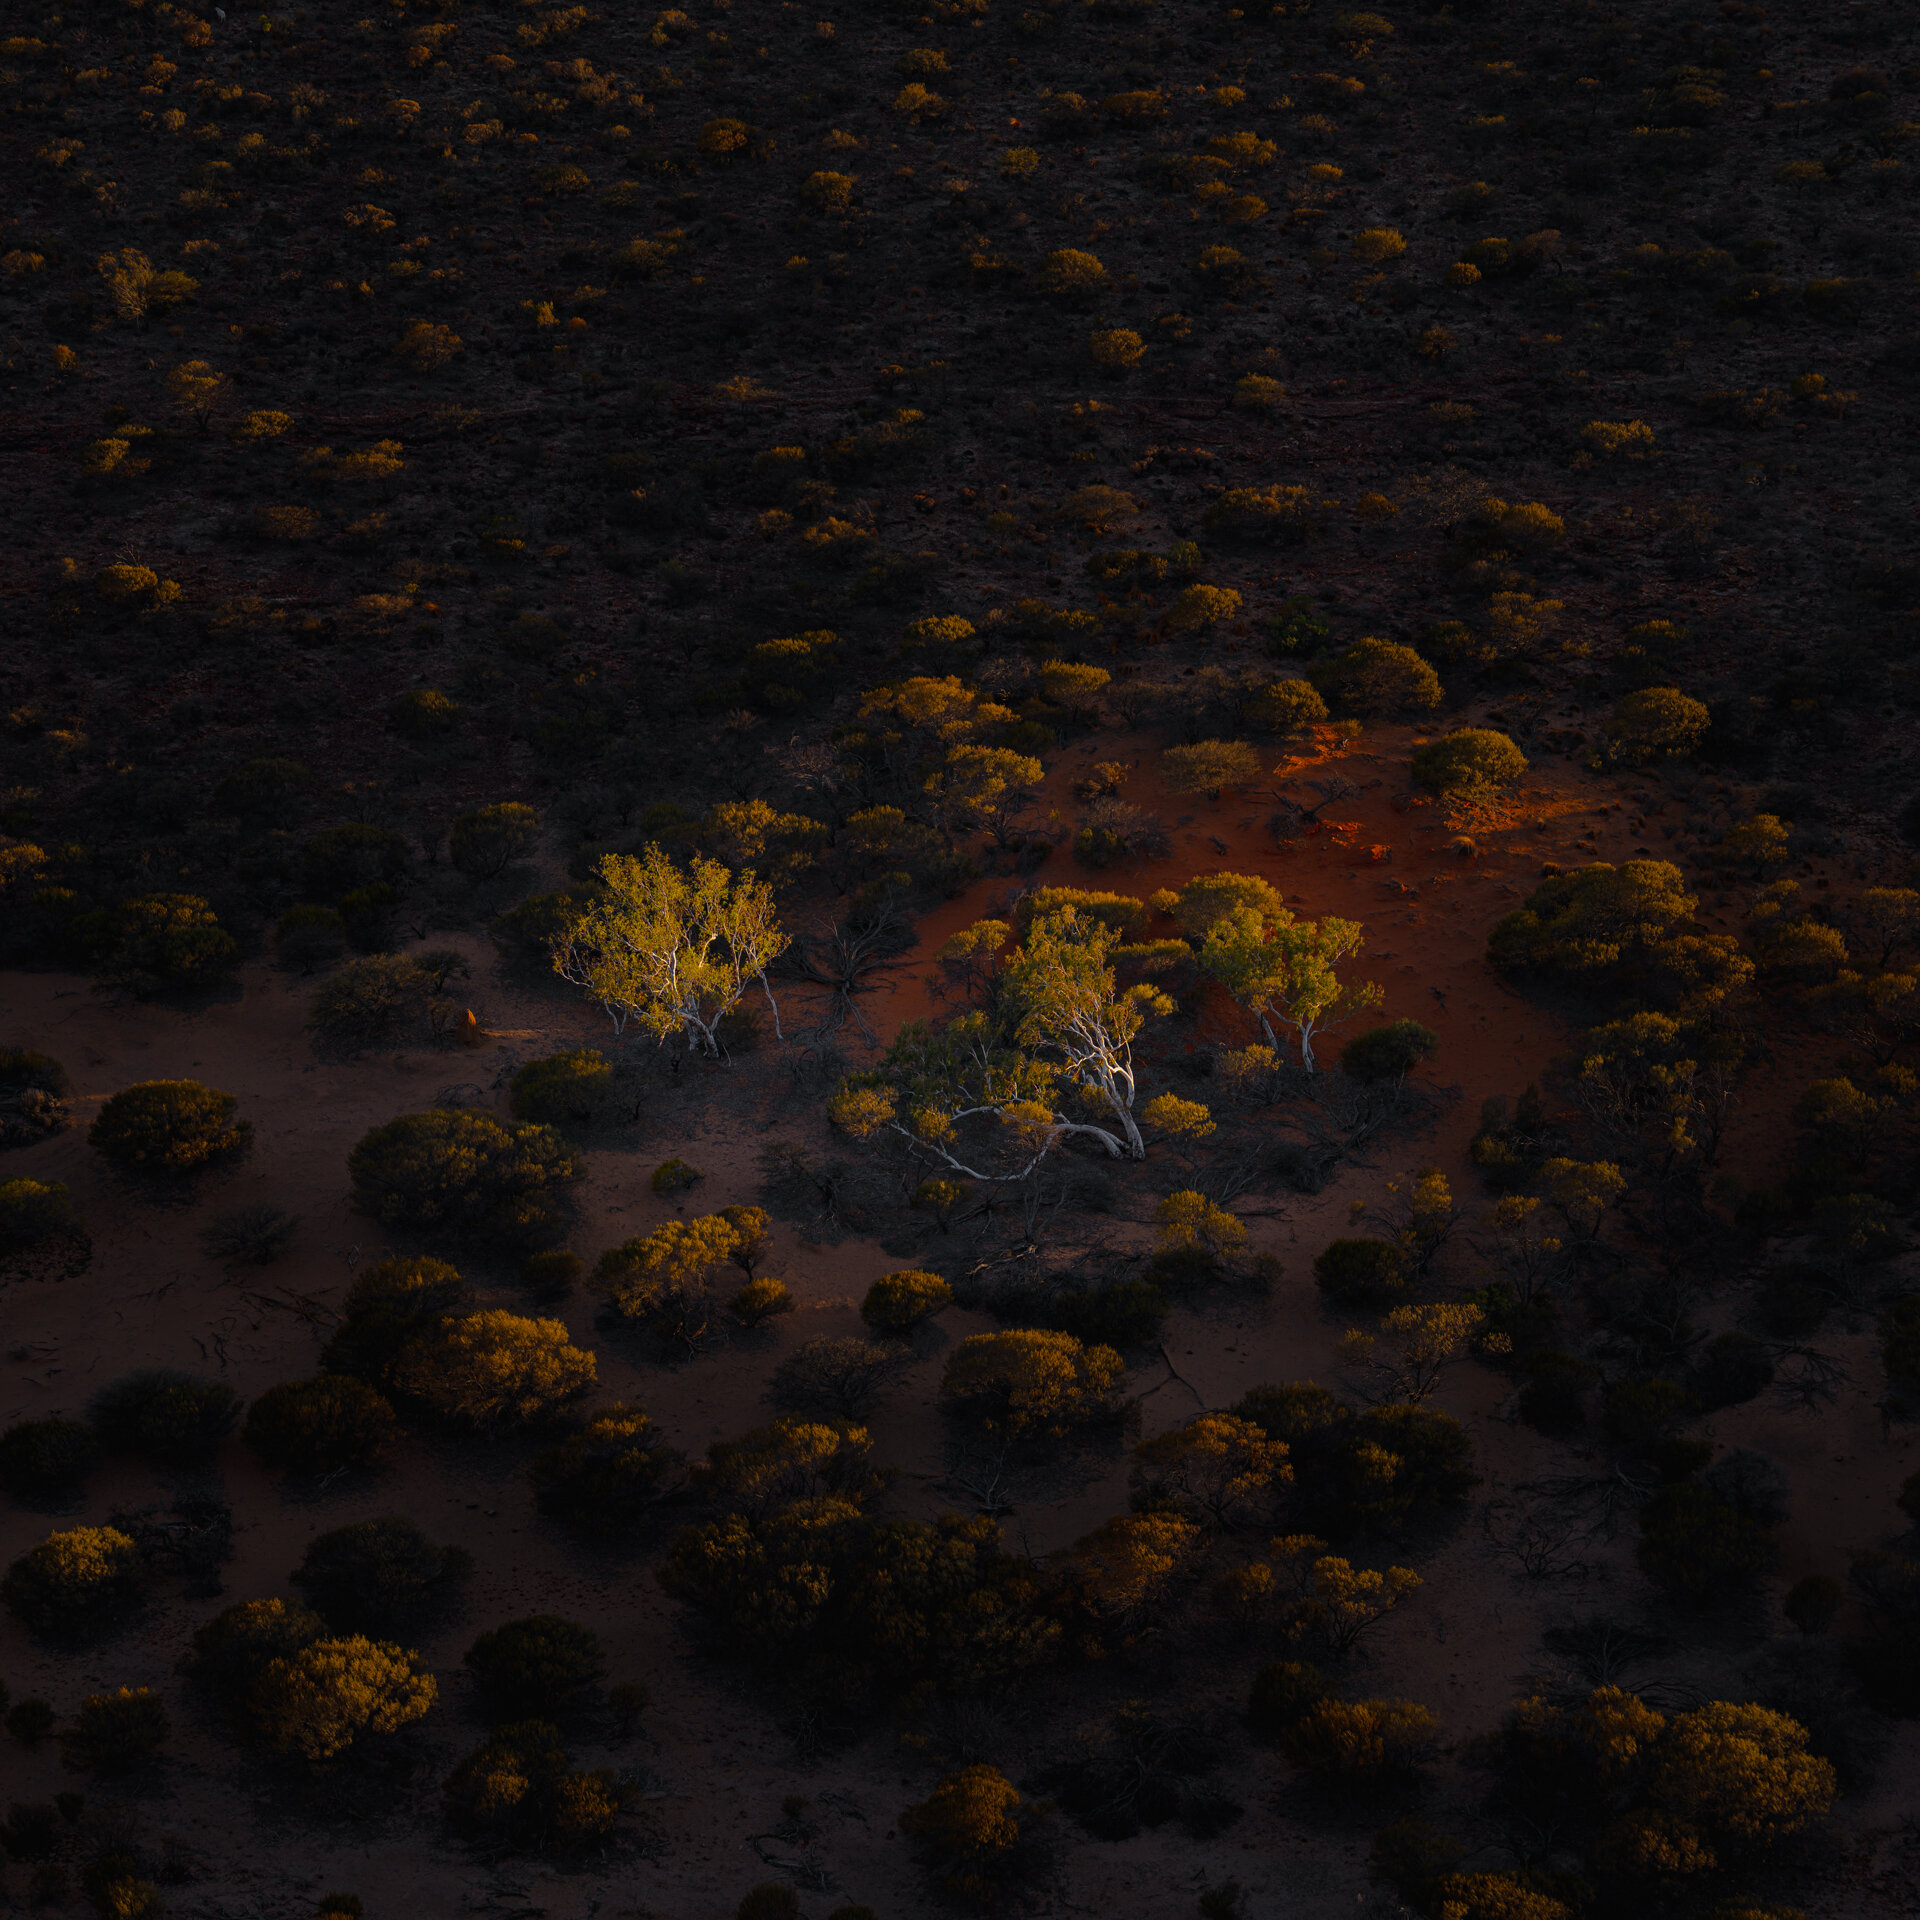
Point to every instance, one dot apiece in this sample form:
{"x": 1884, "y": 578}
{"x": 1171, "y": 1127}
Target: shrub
{"x": 834, "y": 1374}
{"x": 674, "y": 1176}
{"x": 484, "y": 843}
{"x": 76, "y": 1584}
{"x": 308, "y": 939}
{"x": 1206, "y": 766}
{"x": 1618, "y": 439}
{"x": 516, "y": 1790}
{"x": 1284, "y": 1692}
{"x": 316, "y": 1704}
{"x": 760, "y": 1301}
{"x": 320, "y": 1426}
{"x": 1361, "y": 1746}
{"x": 385, "y": 1308}
{"x": 344, "y": 859}
{"x": 468, "y": 1174}
{"x": 1473, "y": 763}
{"x": 424, "y": 714}
{"x": 1285, "y": 707}
{"x": 562, "y": 1087}
{"x": 381, "y": 998}
{"x": 1026, "y": 1382}
{"x": 534, "y": 1669}
{"x": 976, "y": 1837}
{"x": 167, "y": 941}
{"x": 172, "y": 1127}
{"x": 115, "y": 1732}
{"x": 608, "y": 1477}
{"x": 1377, "y": 245}
{"x": 254, "y": 1236}
{"x": 236, "y": 1647}
{"x": 1812, "y": 1602}
{"x": 265, "y": 793}
{"x": 1656, "y": 723}
{"x": 899, "y": 1302}
{"x": 33, "y": 1093}
{"x": 44, "y": 1459}
{"x": 491, "y": 1369}
{"x": 379, "y": 1576}
{"x": 1368, "y": 1274}
{"x": 1379, "y": 676}
{"x": 32, "y": 1211}
{"x": 1274, "y": 513}
{"x": 1116, "y": 348}
{"x": 1258, "y": 393}
{"x": 30, "y": 1721}
{"x": 1699, "y": 1548}
{"x": 1741, "y": 1774}
{"x": 163, "y": 1414}
{"x": 1071, "y": 276}
{"x": 1389, "y": 1052}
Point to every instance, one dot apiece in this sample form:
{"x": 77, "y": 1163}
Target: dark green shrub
{"x": 308, "y": 939}
{"x": 115, "y": 1732}
{"x": 339, "y": 1906}
{"x": 380, "y": 1576}
{"x": 43, "y": 1459}
{"x": 562, "y": 1087}
{"x": 1553, "y": 1400}
{"x": 1379, "y": 676}
{"x": 382, "y": 998}
{"x": 1282, "y": 1692}
{"x": 335, "y": 863}
{"x": 771, "y": 1900}
{"x": 485, "y": 842}
{"x": 32, "y": 1830}
{"x": 253, "y": 1236}
{"x": 22, "y": 1070}
{"x": 1366, "y": 1274}
{"x": 171, "y": 1127}
{"x": 385, "y": 1307}
{"x": 320, "y": 1426}
{"x": 1812, "y": 1602}
{"x": 160, "y": 1413}
{"x": 535, "y": 1669}
{"x": 517, "y": 1790}
{"x": 1699, "y": 1548}
{"x": 1123, "y": 1313}
{"x": 76, "y": 1584}
{"x": 1900, "y": 1351}
{"x": 608, "y": 1477}
{"x": 675, "y": 1176}
{"x": 1792, "y": 1300}
{"x": 554, "y": 1274}
{"x": 526, "y": 932}
{"x": 32, "y": 1211}
{"x": 265, "y": 793}
{"x": 319, "y": 1703}
{"x": 463, "y": 1173}
{"x": 1734, "y": 1368}
{"x": 1390, "y": 1052}
{"x": 899, "y": 1302}
{"x": 1473, "y": 763}
{"x": 1885, "y": 1657}
{"x": 166, "y": 942}
{"x": 236, "y": 1647}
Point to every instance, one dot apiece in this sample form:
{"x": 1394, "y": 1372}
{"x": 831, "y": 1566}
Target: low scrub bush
{"x": 162, "y": 1414}
{"x": 320, "y": 1426}
{"x": 45, "y": 1459}
{"x": 453, "y": 1171}
{"x": 76, "y": 1584}
{"x": 380, "y": 1576}
{"x": 535, "y": 1668}
{"x": 170, "y": 1127}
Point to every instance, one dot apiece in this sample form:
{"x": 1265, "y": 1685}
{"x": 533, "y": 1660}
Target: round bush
{"x": 898, "y": 1302}
{"x": 425, "y": 713}
{"x": 760, "y": 1301}
{"x": 236, "y": 1647}
{"x": 265, "y": 793}
{"x": 76, "y": 1584}
{"x": 380, "y": 1576}
{"x": 116, "y": 1732}
{"x": 1389, "y": 1052}
{"x": 162, "y": 1414}
{"x": 172, "y": 1127}
{"x": 381, "y": 998}
{"x": 23, "y": 1070}
{"x": 493, "y": 1369}
{"x": 607, "y": 1477}
{"x": 554, "y": 1274}
{"x": 1368, "y": 1274}
{"x": 385, "y": 1308}
{"x": 564, "y": 1086}
{"x": 315, "y": 1704}
{"x": 1379, "y": 676}
{"x": 1656, "y": 723}
{"x": 1283, "y": 1692}
{"x": 535, "y": 1668}
{"x": 320, "y": 1426}
{"x": 43, "y": 1459}
{"x": 1362, "y": 1745}
{"x": 32, "y": 1211}
{"x": 1474, "y": 761}
{"x": 344, "y": 859}
{"x": 466, "y": 1173}
{"x": 308, "y": 939}
{"x": 485, "y": 842}
{"x": 33, "y": 1095}
{"x": 675, "y": 1176}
